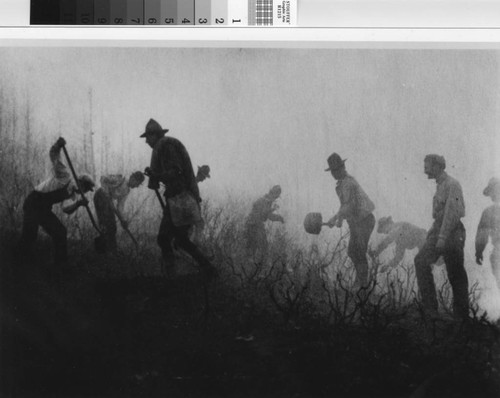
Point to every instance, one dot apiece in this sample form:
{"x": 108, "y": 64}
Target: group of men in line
{"x": 445, "y": 239}
{"x": 171, "y": 166}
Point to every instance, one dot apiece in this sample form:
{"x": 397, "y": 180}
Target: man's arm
{"x": 482, "y": 236}
{"x": 60, "y": 170}
{"x": 275, "y": 217}
{"x": 384, "y": 244}
{"x": 70, "y": 209}
{"x": 346, "y": 204}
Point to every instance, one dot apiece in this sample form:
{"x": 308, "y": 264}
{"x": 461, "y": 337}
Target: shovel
{"x": 148, "y": 173}
{"x": 99, "y": 241}
{"x": 313, "y": 223}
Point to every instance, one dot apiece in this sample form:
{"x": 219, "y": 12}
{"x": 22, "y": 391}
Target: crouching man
{"x": 37, "y": 207}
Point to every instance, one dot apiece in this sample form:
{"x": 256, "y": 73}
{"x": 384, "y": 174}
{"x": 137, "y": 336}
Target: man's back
{"x": 171, "y": 162}
{"x": 408, "y": 236}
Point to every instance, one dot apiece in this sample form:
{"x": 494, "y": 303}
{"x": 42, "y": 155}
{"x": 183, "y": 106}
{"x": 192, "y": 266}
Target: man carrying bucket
{"x": 357, "y": 209}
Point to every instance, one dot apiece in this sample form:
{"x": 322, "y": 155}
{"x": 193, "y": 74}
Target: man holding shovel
{"x": 171, "y": 165}
{"x": 38, "y": 205}
{"x": 357, "y": 209}
{"x": 115, "y": 188}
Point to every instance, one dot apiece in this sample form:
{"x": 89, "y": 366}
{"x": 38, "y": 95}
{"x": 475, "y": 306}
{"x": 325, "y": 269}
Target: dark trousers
{"x": 166, "y": 235}
{"x": 453, "y": 255}
{"x": 256, "y": 239}
{"x": 38, "y": 214}
{"x": 360, "y": 232}
{"x": 106, "y": 217}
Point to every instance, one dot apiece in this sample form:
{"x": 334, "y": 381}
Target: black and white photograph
{"x": 249, "y": 222}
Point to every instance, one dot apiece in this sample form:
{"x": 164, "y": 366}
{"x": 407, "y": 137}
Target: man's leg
{"x": 424, "y": 259}
{"x": 30, "y": 228}
{"x": 454, "y": 260}
{"x": 495, "y": 263}
{"x": 57, "y": 231}
{"x": 182, "y": 238}
{"x": 164, "y": 240}
{"x": 358, "y": 247}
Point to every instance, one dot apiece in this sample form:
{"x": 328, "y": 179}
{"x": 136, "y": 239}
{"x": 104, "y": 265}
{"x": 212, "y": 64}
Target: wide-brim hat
{"x": 493, "y": 186}
{"x": 335, "y": 162}
{"x": 153, "y": 127}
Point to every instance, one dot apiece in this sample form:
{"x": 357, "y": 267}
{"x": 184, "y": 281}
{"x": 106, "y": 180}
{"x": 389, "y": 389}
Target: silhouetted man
{"x": 357, "y": 209}
{"x": 263, "y": 209}
{"x": 171, "y": 165}
{"x": 445, "y": 238}
{"x": 37, "y": 206}
{"x": 489, "y": 228}
{"x": 115, "y": 188}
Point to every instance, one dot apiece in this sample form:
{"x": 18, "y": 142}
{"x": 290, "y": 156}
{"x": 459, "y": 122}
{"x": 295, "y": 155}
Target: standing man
{"x": 357, "y": 209}
{"x": 171, "y": 165}
{"x": 114, "y": 188}
{"x": 37, "y": 206}
{"x": 445, "y": 238}
{"x": 263, "y": 209}
{"x": 489, "y": 227}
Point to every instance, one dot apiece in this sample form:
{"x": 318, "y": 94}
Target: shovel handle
{"x": 148, "y": 173}
{"x": 80, "y": 188}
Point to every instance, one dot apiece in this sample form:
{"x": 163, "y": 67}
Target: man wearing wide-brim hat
{"x": 171, "y": 166}
{"x": 357, "y": 209}
{"x": 489, "y": 227}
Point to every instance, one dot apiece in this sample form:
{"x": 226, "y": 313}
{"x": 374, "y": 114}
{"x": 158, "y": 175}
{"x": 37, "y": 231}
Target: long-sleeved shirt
{"x": 488, "y": 227}
{"x": 355, "y": 205}
{"x": 263, "y": 210}
{"x": 448, "y": 205}
{"x": 171, "y": 165}
{"x": 406, "y": 236}
{"x": 59, "y": 177}
{"x": 116, "y": 187}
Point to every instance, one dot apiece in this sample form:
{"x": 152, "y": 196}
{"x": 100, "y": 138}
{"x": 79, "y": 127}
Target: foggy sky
{"x": 261, "y": 117}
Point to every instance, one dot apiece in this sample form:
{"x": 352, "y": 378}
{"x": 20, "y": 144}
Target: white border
{"x": 156, "y": 36}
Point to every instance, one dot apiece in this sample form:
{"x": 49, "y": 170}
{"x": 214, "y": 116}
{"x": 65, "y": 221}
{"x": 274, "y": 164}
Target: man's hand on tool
{"x": 83, "y": 202}
{"x": 61, "y": 142}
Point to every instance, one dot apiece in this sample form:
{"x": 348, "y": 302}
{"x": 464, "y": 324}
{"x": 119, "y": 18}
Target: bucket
{"x": 313, "y": 223}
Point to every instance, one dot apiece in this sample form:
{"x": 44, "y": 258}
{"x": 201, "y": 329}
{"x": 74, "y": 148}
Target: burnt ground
{"x": 86, "y": 336}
